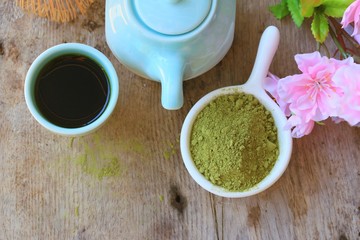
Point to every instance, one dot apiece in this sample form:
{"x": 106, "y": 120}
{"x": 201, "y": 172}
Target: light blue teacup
{"x": 70, "y": 49}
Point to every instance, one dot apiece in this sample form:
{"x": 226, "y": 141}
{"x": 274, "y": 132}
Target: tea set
{"x": 170, "y": 41}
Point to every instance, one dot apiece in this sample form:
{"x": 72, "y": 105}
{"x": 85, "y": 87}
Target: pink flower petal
{"x": 352, "y": 15}
{"x": 348, "y": 77}
{"x": 271, "y": 85}
{"x": 299, "y": 128}
{"x": 304, "y": 61}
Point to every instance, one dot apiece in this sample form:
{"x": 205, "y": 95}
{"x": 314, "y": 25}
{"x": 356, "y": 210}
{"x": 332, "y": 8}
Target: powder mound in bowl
{"x": 233, "y": 142}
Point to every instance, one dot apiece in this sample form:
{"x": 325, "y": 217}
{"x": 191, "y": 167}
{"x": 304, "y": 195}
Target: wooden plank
{"x": 52, "y": 187}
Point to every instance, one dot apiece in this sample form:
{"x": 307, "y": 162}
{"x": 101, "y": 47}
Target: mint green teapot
{"x": 170, "y": 41}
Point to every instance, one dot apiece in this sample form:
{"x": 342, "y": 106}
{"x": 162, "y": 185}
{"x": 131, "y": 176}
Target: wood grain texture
{"x": 46, "y": 193}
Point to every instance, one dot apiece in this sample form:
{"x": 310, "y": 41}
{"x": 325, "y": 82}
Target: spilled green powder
{"x": 171, "y": 150}
{"x": 99, "y": 167}
{"x": 98, "y": 160}
{"x": 234, "y": 142}
{"x": 168, "y": 153}
{"x": 98, "y": 157}
{"x": 77, "y": 211}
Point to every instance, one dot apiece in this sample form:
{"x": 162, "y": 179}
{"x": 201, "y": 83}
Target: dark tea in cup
{"x": 72, "y": 91}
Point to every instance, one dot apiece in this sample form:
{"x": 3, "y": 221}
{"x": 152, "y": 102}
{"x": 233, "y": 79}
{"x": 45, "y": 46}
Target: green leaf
{"x": 280, "y": 10}
{"x": 320, "y": 27}
{"x": 320, "y": 123}
{"x": 295, "y": 11}
{"x": 336, "y": 8}
{"x": 308, "y": 6}
{"x": 334, "y": 12}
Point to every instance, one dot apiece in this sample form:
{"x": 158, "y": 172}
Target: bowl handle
{"x": 268, "y": 45}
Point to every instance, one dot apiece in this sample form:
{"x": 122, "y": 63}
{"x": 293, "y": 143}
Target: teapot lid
{"x": 172, "y": 17}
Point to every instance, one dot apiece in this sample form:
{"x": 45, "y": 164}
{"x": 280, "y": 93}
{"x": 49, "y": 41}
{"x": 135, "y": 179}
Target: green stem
{"x": 337, "y": 43}
{"x": 327, "y": 52}
{"x": 343, "y": 32}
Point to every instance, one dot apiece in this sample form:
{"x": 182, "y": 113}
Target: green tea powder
{"x": 234, "y": 142}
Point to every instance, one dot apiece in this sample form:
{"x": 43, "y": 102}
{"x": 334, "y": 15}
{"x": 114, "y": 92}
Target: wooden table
{"x": 128, "y": 181}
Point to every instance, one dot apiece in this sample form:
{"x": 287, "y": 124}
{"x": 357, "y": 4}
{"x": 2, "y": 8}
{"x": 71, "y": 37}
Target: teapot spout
{"x": 172, "y": 73}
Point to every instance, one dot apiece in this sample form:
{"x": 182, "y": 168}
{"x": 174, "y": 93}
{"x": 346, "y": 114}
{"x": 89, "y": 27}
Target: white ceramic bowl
{"x": 253, "y": 86}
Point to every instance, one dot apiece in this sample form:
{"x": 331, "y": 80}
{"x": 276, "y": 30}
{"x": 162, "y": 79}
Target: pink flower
{"x": 348, "y": 78}
{"x": 299, "y": 127}
{"x": 270, "y": 85}
{"x": 326, "y": 87}
{"x": 312, "y": 95}
{"x": 352, "y": 15}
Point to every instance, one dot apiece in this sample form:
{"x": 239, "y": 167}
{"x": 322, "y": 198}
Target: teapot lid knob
{"x": 172, "y": 17}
